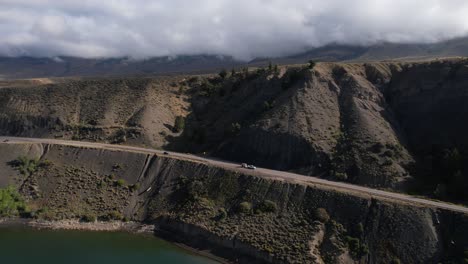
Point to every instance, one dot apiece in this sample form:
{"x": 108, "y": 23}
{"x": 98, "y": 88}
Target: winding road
{"x": 266, "y": 173}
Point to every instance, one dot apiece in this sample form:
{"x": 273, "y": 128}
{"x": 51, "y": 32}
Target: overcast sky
{"x": 241, "y": 28}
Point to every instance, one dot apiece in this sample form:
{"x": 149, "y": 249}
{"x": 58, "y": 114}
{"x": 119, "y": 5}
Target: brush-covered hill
{"x": 383, "y": 124}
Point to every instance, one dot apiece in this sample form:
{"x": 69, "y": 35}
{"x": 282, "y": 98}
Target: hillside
{"x": 395, "y": 125}
{"x": 236, "y": 215}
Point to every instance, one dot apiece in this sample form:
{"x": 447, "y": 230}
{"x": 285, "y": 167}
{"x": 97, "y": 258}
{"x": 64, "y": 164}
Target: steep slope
{"x": 382, "y": 124}
{"x": 321, "y": 121}
{"x": 114, "y": 110}
{"x": 237, "y": 215}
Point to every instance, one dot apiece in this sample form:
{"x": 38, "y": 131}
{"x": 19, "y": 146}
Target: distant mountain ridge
{"x": 29, "y": 67}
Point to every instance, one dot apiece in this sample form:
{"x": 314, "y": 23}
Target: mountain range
{"x": 62, "y": 66}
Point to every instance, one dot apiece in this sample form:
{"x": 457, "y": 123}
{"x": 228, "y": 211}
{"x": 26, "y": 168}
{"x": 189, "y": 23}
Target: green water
{"x": 18, "y": 246}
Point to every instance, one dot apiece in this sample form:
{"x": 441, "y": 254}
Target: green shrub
{"x": 341, "y": 176}
{"x": 88, "y": 218}
{"x": 321, "y": 215}
{"x": 356, "y": 248}
{"x": 25, "y": 165}
{"x": 114, "y": 215}
{"x": 120, "y": 182}
{"x": 395, "y": 261}
{"x": 134, "y": 187}
{"x": 11, "y": 202}
{"x": 179, "y": 124}
{"x": 268, "y": 206}
{"x": 245, "y": 207}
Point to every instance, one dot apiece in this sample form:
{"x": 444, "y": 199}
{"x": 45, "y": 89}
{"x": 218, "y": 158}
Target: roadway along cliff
{"x": 267, "y": 173}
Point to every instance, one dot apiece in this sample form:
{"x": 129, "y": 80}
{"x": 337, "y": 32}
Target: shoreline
{"x": 98, "y": 226}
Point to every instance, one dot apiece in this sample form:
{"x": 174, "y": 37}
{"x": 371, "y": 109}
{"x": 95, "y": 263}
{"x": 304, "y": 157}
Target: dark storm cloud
{"x": 241, "y": 28}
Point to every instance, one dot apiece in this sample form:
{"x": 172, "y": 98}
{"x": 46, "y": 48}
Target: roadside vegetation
{"x": 27, "y": 166}
{"x": 11, "y": 202}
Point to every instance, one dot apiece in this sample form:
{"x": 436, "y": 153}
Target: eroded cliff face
{"x": 127, "y": 110}
{"x": 377, "y": 124}
{"x": 251, "y": 218}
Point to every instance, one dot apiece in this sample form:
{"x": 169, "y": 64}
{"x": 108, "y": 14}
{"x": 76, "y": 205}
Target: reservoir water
{"x": 18, "y": 246}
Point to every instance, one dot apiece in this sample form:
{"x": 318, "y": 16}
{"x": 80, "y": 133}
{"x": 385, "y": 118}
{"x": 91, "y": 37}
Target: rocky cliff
{"x": 237, "y": 215}
{"x": 396, "y": 125}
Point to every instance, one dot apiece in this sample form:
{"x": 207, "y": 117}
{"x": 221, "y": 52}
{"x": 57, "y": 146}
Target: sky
{"x": 244, "y": 29}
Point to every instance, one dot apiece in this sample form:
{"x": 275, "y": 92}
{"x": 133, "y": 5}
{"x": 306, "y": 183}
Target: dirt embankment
{"x": 236, "y": 215}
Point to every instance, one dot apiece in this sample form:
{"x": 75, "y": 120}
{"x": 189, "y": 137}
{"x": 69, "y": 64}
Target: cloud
{"x": 241, "y": 28}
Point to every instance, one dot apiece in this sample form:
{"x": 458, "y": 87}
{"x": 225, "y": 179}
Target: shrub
{"x": 267, "y": 105}
{"x": 235, "y": 128}
{"x": 321, "y": 215}
{"x": 222, "y": 214}
{"x": 25, "y": 165}
{"x": 11, "y": 202}
{"x": 134, "y": 187}
{"x": 377, "y": 147}
{"x": 179, "y": 124}
{"x": 293, "y": 76}
{"x": 120, "y": 136}
{"x": 387, "y": 162}
{"x": 360, "y": 228}
{"x": 114, "y": 215}
{"x": 268, "y": 206}
{"x": 311, "y": 64}
{"x": 88, "y": 218}
{"x": 356, "y": 248}
{"x": 223, "y": 73}
{"x": 120, "y": 182}
{"x": 389, "y": 153}
{"x": 341, "y": 176}
{"x": 245, "y": 207}
{"x": 395, "y": 261}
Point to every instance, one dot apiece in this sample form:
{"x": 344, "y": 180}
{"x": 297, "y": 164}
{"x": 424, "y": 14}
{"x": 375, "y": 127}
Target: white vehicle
{"x": 244, "y": 165}
{"x": 251, "y": 167}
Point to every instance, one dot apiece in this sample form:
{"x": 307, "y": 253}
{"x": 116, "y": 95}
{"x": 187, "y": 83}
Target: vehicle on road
{"x": 247, "y": 166}
{"x": 166, "y": 153}
{"x": 6, "y": 140}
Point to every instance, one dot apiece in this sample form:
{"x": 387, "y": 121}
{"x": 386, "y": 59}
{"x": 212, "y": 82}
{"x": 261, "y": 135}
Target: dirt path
{"x": 261, "y": 172}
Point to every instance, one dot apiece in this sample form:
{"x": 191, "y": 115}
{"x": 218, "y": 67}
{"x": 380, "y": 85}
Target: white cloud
{"x": 241, "y": 28}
